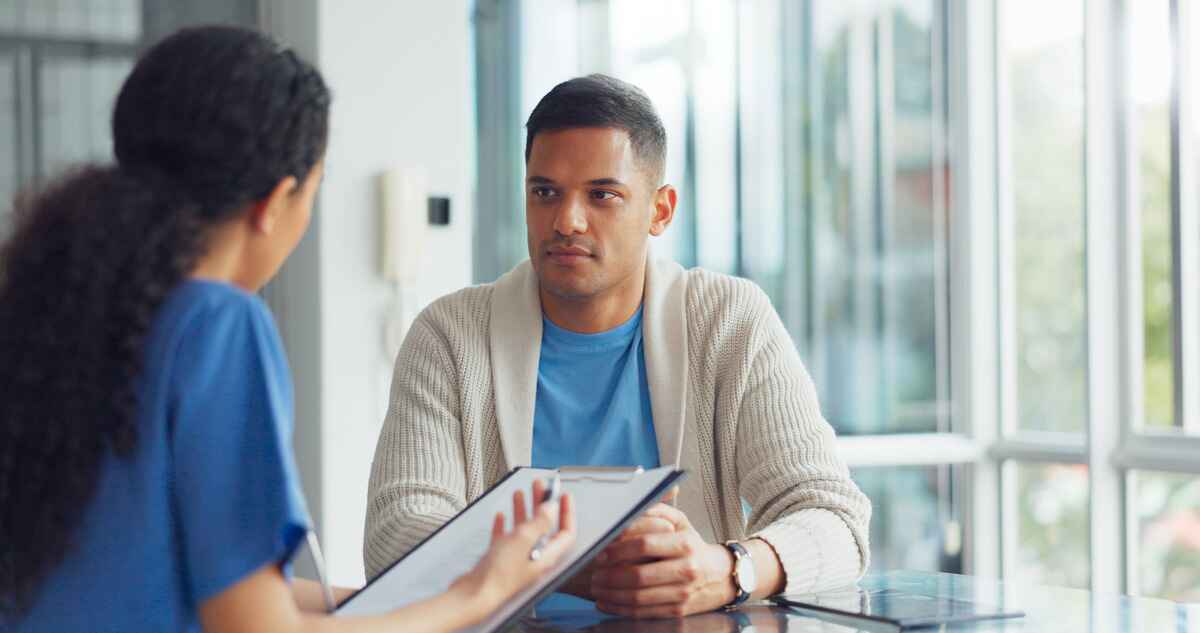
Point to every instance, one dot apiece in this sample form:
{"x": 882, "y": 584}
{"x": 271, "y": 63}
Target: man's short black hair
{"x": 607, "y": 102}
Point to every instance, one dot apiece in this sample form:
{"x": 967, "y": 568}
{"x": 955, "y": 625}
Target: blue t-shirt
{"x": 211, "y": 493}
{"x": 592, "y": 408}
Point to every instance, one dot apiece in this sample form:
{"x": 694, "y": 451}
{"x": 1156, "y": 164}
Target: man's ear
{"x": 265, "y": 213}
{"x": 664, "y": 209}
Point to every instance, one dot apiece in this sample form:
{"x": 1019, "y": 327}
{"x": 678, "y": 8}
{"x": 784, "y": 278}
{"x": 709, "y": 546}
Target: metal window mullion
{"x": 500, "y": 200}
{"x": 71, "y": 46}
{"x": 908, "y": 449}
{"x": 941, "y": 231}
{"x": 865, "y": 263}
{"x": 739, "y": 190}
{"x": 1131, "y": 334}
{"x": 886, "y": 282}
{"x": 1105, "y": 37}
{"x": 971, "y": 126}
{"x": 1133, "y": 582}
{"x": 1185, "y": 224}
{"x": 1010, "y": 508}
{"x": 1006, "y": 231}
{"x": 794, "y": 66}
{"x": 1166, "y": 452}
{"x": 819, "y": 204}
{"x": 948, "y": 488}
{"x": 1044, "y": 448}
{"x": 37, "y": 150}
{"x": 690, "y": 196}
{"x": 1007, "y": 298}
{"x": 27, "y": 121}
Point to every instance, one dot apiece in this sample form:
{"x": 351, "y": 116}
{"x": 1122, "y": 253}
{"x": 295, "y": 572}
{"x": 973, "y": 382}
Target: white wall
{"x": 401, "y": 78}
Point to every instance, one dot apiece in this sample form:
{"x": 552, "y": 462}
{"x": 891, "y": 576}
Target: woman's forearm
{"x": 263, "y": 601}
{"x": 443, "y": 613}
{"x": 309, "y": 595}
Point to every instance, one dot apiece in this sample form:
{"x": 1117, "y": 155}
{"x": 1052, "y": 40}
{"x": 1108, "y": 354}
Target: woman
{"x": 146, "y": 476}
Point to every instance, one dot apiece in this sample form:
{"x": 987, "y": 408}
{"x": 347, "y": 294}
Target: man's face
{"x": 589, "y": 210}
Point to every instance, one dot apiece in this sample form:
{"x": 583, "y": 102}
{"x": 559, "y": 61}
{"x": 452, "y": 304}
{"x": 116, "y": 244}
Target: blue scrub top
{"x": 211, "y": 493}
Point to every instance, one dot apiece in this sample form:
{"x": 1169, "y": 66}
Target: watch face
{"x": 745, "y": 575}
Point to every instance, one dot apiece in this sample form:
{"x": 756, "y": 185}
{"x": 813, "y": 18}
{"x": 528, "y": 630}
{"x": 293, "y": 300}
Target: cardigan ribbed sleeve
{"x": 752, "y": 390}
{"x": 802, "y": 499}
{"x": 417, "y": 477}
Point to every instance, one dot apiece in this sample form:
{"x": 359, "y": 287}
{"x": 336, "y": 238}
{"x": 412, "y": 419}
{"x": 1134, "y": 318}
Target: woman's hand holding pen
{"x": 508, "y": 568}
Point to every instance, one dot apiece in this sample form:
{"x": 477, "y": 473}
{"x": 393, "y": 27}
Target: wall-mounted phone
{"x": 404, "y": 218}
{"x": 404, "y": 212}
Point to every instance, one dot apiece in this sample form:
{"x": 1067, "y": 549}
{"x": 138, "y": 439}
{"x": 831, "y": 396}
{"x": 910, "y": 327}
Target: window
{"x": 1167, "y": 534}
{"x": 1044, "y": 325}
{"x": 912, "y": 524}
{"x": 61, "y": 66}
{"x": 1098, "y": 290}
{"x": 1051, "y": 540}
{"x": 1151, "y": 57}
{"x": 980, "y": 223}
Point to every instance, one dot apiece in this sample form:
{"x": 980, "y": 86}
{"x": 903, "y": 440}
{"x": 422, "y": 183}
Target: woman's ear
{"x": 264, "y": 214}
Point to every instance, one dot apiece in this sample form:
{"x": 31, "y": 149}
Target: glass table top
{"x": 1047, "y": 609}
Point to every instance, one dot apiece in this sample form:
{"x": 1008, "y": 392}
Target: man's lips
{"x": 568, "y": 255}
{"x": 570, "y": 250}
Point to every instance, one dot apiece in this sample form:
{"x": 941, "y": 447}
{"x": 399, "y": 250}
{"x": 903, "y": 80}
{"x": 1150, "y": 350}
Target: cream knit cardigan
{"x": 732, "y": 405}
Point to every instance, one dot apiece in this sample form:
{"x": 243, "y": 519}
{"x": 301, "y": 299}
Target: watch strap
{"x": 740, "y": 553}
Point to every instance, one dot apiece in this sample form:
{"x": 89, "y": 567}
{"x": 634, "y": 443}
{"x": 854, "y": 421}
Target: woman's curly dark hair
{"x": 210, "y": 120}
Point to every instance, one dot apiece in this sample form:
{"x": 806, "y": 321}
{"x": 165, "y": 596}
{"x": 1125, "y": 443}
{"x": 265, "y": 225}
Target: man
{"x": 592, "y": 353}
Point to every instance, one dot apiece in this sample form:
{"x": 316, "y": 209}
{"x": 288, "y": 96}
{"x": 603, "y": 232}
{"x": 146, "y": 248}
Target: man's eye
{"x": 543, "y": 192}
{"x": 603, "y": 195}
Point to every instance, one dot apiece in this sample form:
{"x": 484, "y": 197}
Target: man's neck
{"x": 598, "y": 313}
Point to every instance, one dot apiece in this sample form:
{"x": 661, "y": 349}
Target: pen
{"x": 553, "y": 492}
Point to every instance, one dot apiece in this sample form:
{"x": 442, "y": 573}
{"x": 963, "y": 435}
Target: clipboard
{"x": 607, "y": 500}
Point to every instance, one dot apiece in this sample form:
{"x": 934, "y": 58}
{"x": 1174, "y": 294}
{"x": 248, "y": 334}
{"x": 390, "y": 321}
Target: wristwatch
{"x": 744, "y": 579}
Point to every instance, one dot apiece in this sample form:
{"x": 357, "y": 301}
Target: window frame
{"x": 1114, "y": 443}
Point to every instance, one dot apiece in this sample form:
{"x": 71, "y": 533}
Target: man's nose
{"x": 571, "y": 217}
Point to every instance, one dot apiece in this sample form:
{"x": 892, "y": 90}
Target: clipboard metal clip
{"x": 600, "y": 474}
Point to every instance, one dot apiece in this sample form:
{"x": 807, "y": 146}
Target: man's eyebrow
{"x": 606, "y": 181}
{"x": 595, "y": 182}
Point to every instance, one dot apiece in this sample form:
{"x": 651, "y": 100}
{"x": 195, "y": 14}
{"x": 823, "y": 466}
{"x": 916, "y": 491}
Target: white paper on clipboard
{"x": 604, "y": 503}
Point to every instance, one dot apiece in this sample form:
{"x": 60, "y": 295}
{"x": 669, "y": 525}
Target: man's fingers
{"x": 668, "y": 572}
{"x": 662, "y": 611}
{"x": 666, "y": 594}
{"x": 665, "y": 512}
{"x": 646, "y": 525}
{"x": 648, "y": 546}
{"x": 671, "y": 495}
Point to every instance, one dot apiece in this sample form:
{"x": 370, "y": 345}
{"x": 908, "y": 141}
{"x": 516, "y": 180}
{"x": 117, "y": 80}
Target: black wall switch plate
{"x": 439, "y": 211}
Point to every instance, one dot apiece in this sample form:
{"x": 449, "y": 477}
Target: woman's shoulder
{"x": 199, "y": 305}
{"x": 207, "y": 323}
{"x": 204, "y": 295}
